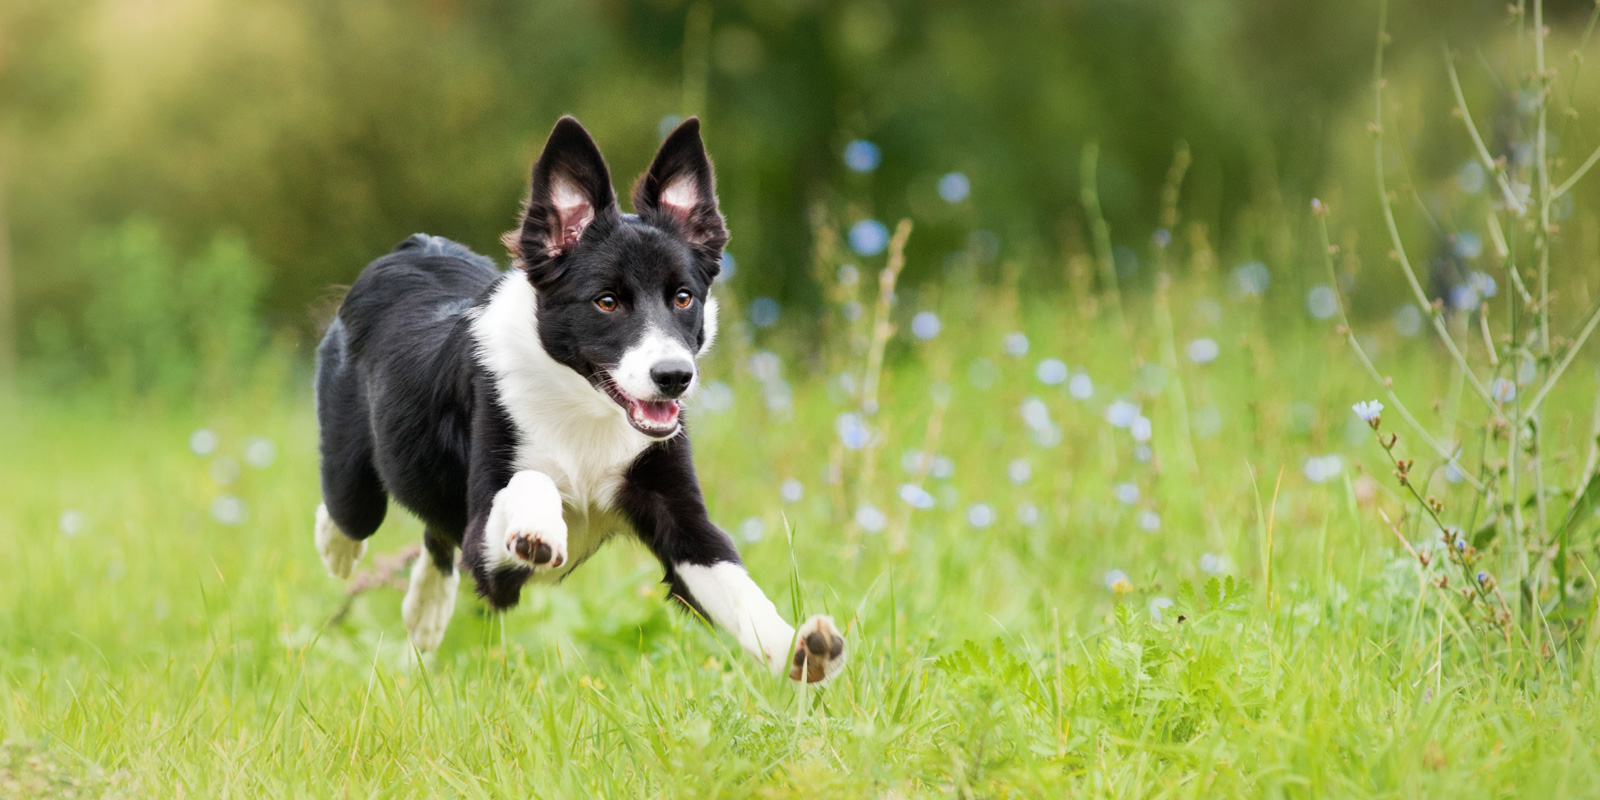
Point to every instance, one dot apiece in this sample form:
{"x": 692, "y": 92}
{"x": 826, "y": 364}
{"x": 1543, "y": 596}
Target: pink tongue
{"x": 659, "y": 413}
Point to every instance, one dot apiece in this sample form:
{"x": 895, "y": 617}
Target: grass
{"x": 157, "y": 652}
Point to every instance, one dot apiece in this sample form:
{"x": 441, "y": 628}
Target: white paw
{"x": 339, "y": 552}
{"x": 430, "y": 600}
{"x": 819, "y": 651}
{"x": 525, "y": 526}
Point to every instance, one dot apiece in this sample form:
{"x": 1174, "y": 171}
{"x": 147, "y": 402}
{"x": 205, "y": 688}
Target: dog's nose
{"x": 672, "y": 377}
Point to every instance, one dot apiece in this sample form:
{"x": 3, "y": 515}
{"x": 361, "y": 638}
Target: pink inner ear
{"x": 573, "y": 208}
{"x": 679, "y": 197}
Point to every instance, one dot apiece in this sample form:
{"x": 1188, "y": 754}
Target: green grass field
{"x": 159, "y": 639}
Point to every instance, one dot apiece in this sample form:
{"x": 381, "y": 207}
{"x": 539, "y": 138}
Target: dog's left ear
{"x": 679, "y": 190}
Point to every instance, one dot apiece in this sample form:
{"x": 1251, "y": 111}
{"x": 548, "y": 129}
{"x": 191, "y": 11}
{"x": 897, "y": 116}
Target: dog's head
{"x": 624, "y": 299}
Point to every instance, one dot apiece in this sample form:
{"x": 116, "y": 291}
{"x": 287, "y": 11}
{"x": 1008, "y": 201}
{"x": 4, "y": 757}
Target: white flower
{"x": 1213, "y": 564}
{"x": 1368, "y": 410}
{"x": 1150, "y": 521}
{"x": 1019, "y": 471}
{"x": 752, "y": 529}
{"x": 1027, "y": 513}
{"x": 870, "y": 518}
{"x": 1319, "y": 469}
{"x": 1157, "y": 604}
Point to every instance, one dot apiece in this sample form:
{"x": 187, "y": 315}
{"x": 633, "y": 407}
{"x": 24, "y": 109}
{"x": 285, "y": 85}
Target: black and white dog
{"x": 526, "y": 416}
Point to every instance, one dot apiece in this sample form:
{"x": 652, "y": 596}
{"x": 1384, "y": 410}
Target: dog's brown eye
{"x": 606, "y": 302}
{"x": 684, "y": 298}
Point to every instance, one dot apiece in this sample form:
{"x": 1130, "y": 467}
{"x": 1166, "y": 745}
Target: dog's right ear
{"x": 570, "y": 192}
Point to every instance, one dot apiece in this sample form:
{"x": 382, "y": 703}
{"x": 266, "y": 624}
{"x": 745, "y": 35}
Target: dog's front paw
{"x": 538, "y": 549}
{"x": 819, "y": 651}
{"x": 525, "y": 527}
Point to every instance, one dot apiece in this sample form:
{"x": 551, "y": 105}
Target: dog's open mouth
{"x": 654, "y": 418}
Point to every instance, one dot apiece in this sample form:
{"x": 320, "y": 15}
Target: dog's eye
{"x": 684, "y": 299}
{"x": 606, "y": 302}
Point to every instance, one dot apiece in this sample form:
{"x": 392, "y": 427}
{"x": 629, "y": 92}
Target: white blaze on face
{"x": 655, "y": 347}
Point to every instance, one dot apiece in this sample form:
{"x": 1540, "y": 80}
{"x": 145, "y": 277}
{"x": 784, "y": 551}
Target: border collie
{"x": 525, "y": 416}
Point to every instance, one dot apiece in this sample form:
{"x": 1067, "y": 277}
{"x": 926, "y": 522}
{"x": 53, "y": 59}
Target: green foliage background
{"x": 319, "y": 133}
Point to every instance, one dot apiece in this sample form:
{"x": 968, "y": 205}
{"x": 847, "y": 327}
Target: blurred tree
{"x": 324, "y": 131}
{"x": 41, "y": 77}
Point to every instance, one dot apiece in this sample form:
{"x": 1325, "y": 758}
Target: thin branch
{"x": 1394, "y": 228}
{"x": 1489, "y": 162}
{"x": 1377, "y": 377}
{"x": 1566, "y": 359}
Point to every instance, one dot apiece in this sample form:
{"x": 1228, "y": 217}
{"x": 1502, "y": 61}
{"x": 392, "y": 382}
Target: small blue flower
{"x": 764, "y": 312}
{"x": 916, "y": 496}
{"x": 925, "y": 325}
{"x": 954, "y": 187}
{"x": 792, "y": 491}
{"x": 1213, "y": 564}
{"x": 1126, "y": 493}
{"x": 1027, "y": 513}
{"x": 1019, "y": 471}
{"x": 1504, "y": 390}
{"x": 1121, "y": 414}
{"x": 980, "y": 515}
{"x": 1161, "y": 238}
{"x": 1322, "y": 302}
{"x": 1202, "y": 351}
{"x": 852, "y": 430}
{"x": 1252, "y": 279}
{"x": 869, "y": 237}
{"x": 1157, "y": 605}
{"x": 1081, "y": 386}
{"x": 1016, "y": 344}
{"x": 1141, "y": 429}
{"x": 1150, "y": 521}
{"x": 861, "y": 155}
{"x": 1035, "y": 414}
{"x": 1407, "y": 320}
{"x": 1051, "y": 372}
{"x": 1483, "y": 577}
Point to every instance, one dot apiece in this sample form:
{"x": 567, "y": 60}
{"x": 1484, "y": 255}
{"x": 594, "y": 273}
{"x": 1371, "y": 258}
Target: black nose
{"x": 672, "y": 377}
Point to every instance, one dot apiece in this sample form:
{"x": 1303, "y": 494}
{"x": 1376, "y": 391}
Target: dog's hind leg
{"x": 354, "y": 501}
{"x": 431, "y": 598}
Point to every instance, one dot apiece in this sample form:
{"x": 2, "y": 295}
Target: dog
{"x": 526, "y": 416}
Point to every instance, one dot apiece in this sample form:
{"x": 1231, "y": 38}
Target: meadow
{"x": 1077, "y": 553}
